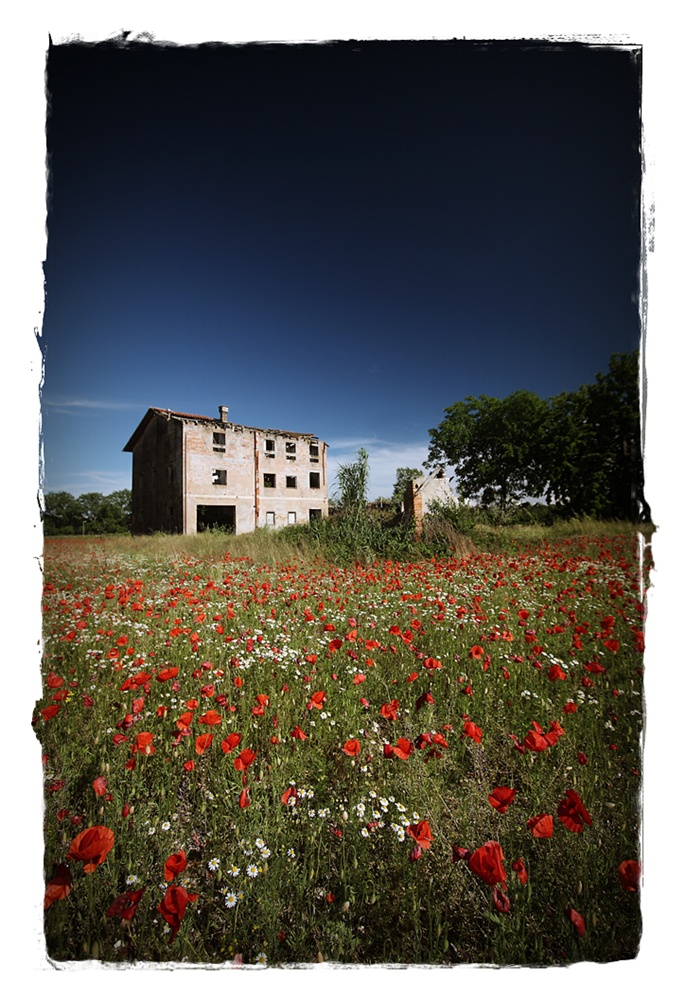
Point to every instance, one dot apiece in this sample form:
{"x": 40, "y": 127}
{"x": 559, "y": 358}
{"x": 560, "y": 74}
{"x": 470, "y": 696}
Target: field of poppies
{"x": 276, "y": 762}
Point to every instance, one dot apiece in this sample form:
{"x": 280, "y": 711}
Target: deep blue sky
{"x": 341, "y": 239}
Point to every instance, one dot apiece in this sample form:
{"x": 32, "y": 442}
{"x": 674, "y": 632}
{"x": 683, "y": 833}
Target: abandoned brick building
{"x": 192, "y": 473}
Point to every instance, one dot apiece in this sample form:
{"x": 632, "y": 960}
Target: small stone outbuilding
{"x": 192, "y": 473}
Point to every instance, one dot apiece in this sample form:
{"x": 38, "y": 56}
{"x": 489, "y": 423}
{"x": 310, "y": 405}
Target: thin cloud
{"x": 77, "y": 483}
{"x": 86, "y": 406}
{"x": 385, "y": 458}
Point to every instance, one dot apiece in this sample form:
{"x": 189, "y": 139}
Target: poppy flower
{"x": 460, "y": 853}
{"x": 317, "y": 700}
{"x": 167, "y": 674}
{"x": 210, "y": 718}
{"x": 100, "y": 786}
{"x": 91, "y": 846}
{"x": 573, "y": 813}
{"x": 576, "y": 920}
{"x": 174, "y": 865}
{"x": 487, "y": 863}
{"x": 297, "y": 733}
{"x": 203, "y": 742}
{"x": 582, "y": 758}
{"x": 231, "y": 742}
{"x": 352, "y": 748}
{"x": 125, "y": 906}
{"x": 143, "y": 744}
{"x": 520, "y": 869}
{"x": 53, "y": 681}
{"x": 555, "y": 673}
{"x": 290, "y": 796}
{"x": 189, "y": 765}
{"x": 629, "y": 875}
{"x": 244, "y": 798}
{"x": 421, "y": 833}
{"x": 389, "y": 710}
{"x": 500, "y": 899}
{"x": 472, "y": 730}
{"x": 244, "y": 759}
{"x": 425, "y": 699}
{"x": 431, "y": 664}
{"x": 173, "y": 906}
{"x": 58, "y": 887}
{"x": 541, "y": 825}
{"x": 49, "y": 713}
{"x": 404, "y": 748}
{"x": 501, "y": 798}
{"x": 476, "y": 653}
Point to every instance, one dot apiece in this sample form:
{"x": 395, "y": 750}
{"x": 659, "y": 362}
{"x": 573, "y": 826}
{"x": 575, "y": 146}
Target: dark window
{"x": 314, "y": 452}
{"x": 219, "y": 477}
{"x": 290, "y": 451}
{"x": 314, "y": 480}
{"x": 270, "y": 448}
{"x": 269, "y": 481}
{"x": 219, "y": 441}
{"x": 314, "y": 514}
{"x": 291, "y": 482}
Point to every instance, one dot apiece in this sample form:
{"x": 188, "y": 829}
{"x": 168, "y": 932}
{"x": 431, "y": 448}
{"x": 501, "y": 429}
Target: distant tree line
{"x": 579, "y": 451}
{"x": 88, "y": 514}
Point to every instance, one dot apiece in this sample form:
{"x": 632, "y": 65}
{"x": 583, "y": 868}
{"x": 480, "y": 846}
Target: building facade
{"x": 192, "y": 473}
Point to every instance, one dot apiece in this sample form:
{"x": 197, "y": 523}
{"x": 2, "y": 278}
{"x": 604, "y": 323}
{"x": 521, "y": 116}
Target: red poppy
{"x": 595, "y": 668}
{"x": 50, "y": 712}
{"x": 431, "y": 664}
{"x": 189, "y": 765}
{"x": 203, "y": 742}
{"x": 629, "y": 875}
{"x": 472, "y": 730}
{"x": 421, "y": 833}
{"x": 297, "y": 733}
{"x": 210, "y": 718}
{"x": 520, "y": 869}
{"x": 541, "y": 825}
{"x": 244, "y": 798}
{"x": 487, "y": 863}
{"x": 359, "y": 678}
{"x": 167, "y": 674}
{"x": 317, "y": 700}
{"x": 143, "y": 744}
{"x": 555, "y": 673}
{"x": 290, "y": 796}
{"x": 174, "y": 865}
{"x": 389, "y": 710}
{"x": 352, "y": 748}
{"x": 460, "y": 853}
{"x": 91, "y": 846}
{"x": 231, "y": 742}
{"x": 53, "y": 681}
{"x": 577, "y": 921}
{"x": 476, "y": 653}
{"x": 582, "y": 758}
{"x": 244, "y": 759}
{"x": 573, "y": 813}
{"x": 404, "y": 748}
{"x": 125, "y": 906}
{"x": 501, "y": 798}
{"x": 500, "y": 899}
{"x": 100, "y": 786}
{"x": 173, "y": 906}
{"x": 137, "y": 706}
{"x": 58, "y": 887}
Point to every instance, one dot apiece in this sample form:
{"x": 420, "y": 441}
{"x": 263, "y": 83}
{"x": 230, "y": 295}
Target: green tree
{"x": 495, "y": 447}
{"x": 403, "y": 477}
{"x": 593, "y": 449}
{"x": 62, "y": 514}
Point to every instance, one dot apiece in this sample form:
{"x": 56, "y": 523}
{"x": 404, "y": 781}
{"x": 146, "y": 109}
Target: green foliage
{"x": 403, "y": 477}
{"x": 88, "y": 514}
{"x": 580, "y": 450}
{"x": 493, "y": 445}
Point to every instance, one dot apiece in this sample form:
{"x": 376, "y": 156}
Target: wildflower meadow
{"x": 279, "y": 761}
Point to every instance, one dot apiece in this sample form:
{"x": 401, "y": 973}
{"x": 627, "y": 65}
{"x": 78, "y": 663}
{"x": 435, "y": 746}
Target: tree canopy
{"x": 89, "y": 514}
{"x": 580, "y": 451}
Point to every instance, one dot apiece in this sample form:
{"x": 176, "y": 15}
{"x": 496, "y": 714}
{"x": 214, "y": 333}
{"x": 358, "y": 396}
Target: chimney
{"x": 223, "y": 414}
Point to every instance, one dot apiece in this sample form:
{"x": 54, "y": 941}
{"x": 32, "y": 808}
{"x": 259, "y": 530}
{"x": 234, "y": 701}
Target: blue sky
{"x": 341, "y": 239}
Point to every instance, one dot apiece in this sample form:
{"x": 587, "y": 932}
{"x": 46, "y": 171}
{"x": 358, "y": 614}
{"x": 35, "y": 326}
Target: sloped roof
{"x": 156, "y": 411}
